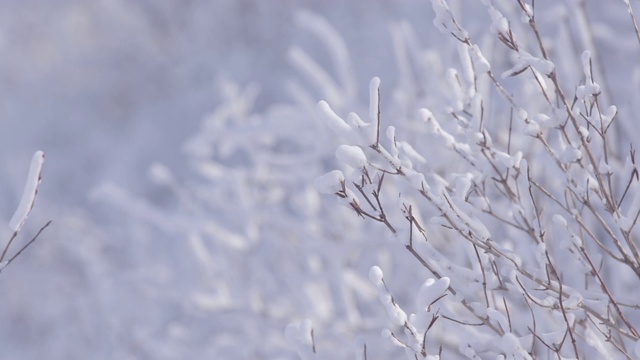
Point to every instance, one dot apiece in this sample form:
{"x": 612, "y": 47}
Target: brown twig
{"x": 561, "y": 302}
{"x": 25, "y": 246}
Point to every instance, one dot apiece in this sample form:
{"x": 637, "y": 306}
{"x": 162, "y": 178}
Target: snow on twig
{"x": 29, "y": 194}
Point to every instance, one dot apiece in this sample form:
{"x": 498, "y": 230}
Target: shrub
{"x": 512, "y": 180}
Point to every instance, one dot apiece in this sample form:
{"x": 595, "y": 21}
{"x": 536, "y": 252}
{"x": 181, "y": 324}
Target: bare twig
{"x": 562, "y": 308}
{"x": 484, "y": 276}
{"x": 25, "y": 246}
{"x": 6, "y": 248}
{"x": 604, "y": 287}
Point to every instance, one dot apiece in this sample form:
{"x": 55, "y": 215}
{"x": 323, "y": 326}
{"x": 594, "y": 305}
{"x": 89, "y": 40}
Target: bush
{"x": 491, "y": 191}
{"x": 511, "y": 179}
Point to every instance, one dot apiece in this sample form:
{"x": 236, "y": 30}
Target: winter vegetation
{"x": 510, "y": 193}
{"x": 461, "y": 184}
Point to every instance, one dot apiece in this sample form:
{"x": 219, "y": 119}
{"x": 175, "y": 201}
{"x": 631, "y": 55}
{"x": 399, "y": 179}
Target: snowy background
{"x": 181, "y": 152}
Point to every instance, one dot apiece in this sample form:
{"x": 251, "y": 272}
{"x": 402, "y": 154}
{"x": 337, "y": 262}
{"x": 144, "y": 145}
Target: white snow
{"x": 355, "y": 121}
{"x": 560, "y": 220}
{"x": 443, "y": 16}
{"x": 444, "y": 20}
{"x": 590, "y": 88}
{"x": 584, "y": 132}
{"x": 425, "y": 114}
{"x": 543, "y": 119}
{"x": 527, "y": 14}
{"x": 498, "y": 317}
{"x": 351, "y": 155}
{"x": 499, "y": 24}
{"x": 339, "y": 126}
{"x": 299, "y": 335}
{"x": 462, "y": 185}
{"x": 583, "y": 91}
{"x": 505, "y": 159}
{"x": 509, "y": 342}
{"x": 410, "y": 152}
{"x": 330, "y": 182}
{"x": 433, "y": 127}
{"x": 29, "y": 194}
{"x": 417, "y": 180}
{"x": 480, "y": 63}
{"x": 393, "y": 151}
{"x": 586, "y": 63}
{"x": 464, "y": 53}
{"x": 604, "y": 168}
{"x": 374, "y": 99}
{"x": 525, "y": 60}
{"x": 431, "y": 290}
{"x": 610, "y": 112}
{"x": 522, "y": 115}
{"x": 532, "y": 129}
{"x": 396, "y": 314}
{"x": 517, "y": 158}
{"x": 570, "y": 154}
{"x": 375, "y": 275}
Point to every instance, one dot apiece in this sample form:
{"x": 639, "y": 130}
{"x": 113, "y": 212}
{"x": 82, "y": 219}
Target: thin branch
{"x": 561, "y": 301}
{"x": 484, "y": 276}
{"x": 506, "y": 307}
{"x": 25, "y": 246}
{"x": 6, "y": 248}
{"x": 604, "y": 287}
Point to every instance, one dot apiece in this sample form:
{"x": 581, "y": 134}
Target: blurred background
{"x": 108, "y": 88}
{"x": 180, "y": 156}
{"x": 118, "y": 78}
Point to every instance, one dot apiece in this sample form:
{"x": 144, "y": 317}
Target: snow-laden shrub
{"x": 517, "y": 190}
{"x": 494, "y": 191}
